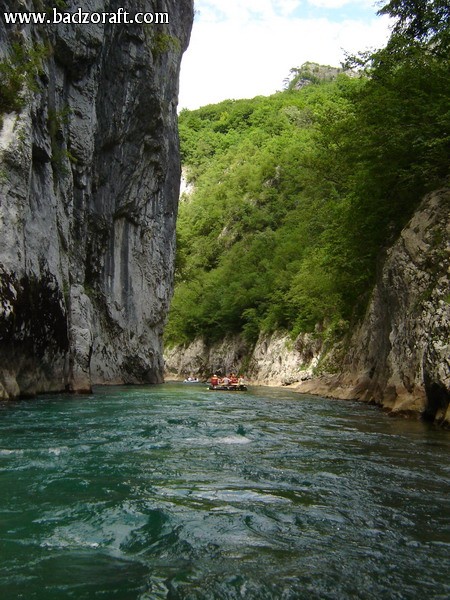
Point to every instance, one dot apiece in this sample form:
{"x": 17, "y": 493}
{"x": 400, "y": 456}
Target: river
{"x": 175, "y": 492}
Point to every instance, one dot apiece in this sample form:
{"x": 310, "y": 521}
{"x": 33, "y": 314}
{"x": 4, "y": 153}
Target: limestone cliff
{"x": 274, "y": 360}
{"x": 89, "y": 185}
{"x": 398, "y": 356}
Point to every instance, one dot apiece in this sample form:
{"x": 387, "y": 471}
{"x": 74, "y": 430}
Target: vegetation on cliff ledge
{"x": 297, "y": 195}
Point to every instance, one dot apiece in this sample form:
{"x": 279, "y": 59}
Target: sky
{"x": 246, "y": 48}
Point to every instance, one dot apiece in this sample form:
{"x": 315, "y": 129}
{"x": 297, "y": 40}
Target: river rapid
{"x": 176, "y": 492}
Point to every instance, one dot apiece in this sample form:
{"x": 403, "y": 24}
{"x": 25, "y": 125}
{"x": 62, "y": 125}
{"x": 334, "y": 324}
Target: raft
{"x": 228, "y": 388}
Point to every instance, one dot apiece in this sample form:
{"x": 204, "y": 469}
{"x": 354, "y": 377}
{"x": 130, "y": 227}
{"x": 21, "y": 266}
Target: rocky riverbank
{"x": 399, "y": 355}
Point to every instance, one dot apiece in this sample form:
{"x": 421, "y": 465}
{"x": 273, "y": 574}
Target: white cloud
{"x": 286, "y": 7}
{"x": 333, "y": 4}
{"x": 235, "y": 10}
{"x": 329, "y": 3}
{"x": 245, "y": 48}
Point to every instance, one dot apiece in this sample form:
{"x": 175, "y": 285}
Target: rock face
{"x": 274, "y": 360}
{"x": 310, "y": 72}
{"x": 202, "y": 359}
{"x": 399, "y": 356}
{"x": 89, "y": 186}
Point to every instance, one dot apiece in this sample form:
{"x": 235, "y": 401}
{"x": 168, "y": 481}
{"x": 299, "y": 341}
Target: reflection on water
{"x": 176, "y": 492}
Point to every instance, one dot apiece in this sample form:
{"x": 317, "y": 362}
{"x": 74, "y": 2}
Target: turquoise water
{"x": 175, "y": 492}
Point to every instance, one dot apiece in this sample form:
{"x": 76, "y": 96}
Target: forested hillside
{"x": 297, "y": 195}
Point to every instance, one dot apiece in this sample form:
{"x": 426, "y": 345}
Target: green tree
{"x": 298, "y": 195}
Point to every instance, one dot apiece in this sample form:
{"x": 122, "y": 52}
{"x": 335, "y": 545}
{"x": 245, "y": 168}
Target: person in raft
{"x": 214, "y": 380}
{"x": 233, "y": 379}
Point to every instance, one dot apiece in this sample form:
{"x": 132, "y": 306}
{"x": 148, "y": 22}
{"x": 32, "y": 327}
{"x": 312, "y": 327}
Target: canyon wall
{"x": 400, "y": 355}
{"x": 397, "y": 357}
{"x": 89, "y": 186}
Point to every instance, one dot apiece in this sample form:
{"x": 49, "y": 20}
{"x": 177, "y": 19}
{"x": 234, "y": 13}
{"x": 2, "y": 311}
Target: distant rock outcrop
{"x": 89, "y": 186}
{"x": 311, "y": 72}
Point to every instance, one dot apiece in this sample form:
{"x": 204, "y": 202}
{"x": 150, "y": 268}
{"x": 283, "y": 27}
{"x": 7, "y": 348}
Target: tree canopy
{"x": 297, "y": 195}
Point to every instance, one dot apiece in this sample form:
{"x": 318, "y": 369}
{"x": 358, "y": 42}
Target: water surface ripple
{"x": 174, "y": 492}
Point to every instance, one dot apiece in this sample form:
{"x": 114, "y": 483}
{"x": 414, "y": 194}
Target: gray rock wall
{"x": 275, "y": 359}
{"x": 400, "y": 356}
{"x": 89, "y": 186}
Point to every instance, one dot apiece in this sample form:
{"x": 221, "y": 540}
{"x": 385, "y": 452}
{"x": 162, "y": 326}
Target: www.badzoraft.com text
{"x": 120, "y": 17}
